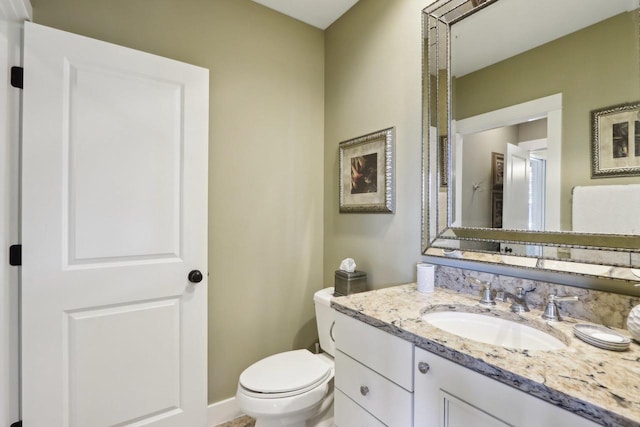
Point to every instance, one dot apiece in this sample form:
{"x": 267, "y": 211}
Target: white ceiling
{"x": 319, "y": 13}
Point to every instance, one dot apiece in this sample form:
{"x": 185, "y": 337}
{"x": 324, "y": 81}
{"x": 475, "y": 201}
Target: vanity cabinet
{"x": 449, "y": 395}
{"x": 382, "y": 380}
{"x": 373, "y": 376}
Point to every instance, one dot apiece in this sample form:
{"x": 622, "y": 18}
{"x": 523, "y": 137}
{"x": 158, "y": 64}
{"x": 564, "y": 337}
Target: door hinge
{"x": 17, "y": 424}
{"x": 15, "y": 255}
{"x": 17, "y": 77}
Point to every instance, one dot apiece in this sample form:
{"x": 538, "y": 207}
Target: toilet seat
{"x": 285, "y": 374}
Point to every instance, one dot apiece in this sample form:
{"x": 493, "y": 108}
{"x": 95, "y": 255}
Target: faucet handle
{"x": 479, "y": 282}
{"x": 551, "y": 311}
{"x": 554, "y": 298}
{"x": 487, "y": 296}
{"x": 520, "y": 291}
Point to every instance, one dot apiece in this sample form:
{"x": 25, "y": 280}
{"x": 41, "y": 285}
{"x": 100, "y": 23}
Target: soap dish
{"x": 601, "y": 337}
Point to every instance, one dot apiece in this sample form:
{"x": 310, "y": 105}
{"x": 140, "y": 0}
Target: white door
{"x": 114, "y": 217}
{"x": 515, "y": 207}
{"x": 516, "y": 189}
{"x": 524, "y": 194}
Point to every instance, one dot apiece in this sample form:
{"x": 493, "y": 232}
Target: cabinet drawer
{"x": 385, "y": 400}
{"x": 348, "y": 414}
{"x": 390, "y": 356}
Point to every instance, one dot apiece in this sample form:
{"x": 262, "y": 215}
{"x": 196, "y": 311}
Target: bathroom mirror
{"x": 531, "y": 152}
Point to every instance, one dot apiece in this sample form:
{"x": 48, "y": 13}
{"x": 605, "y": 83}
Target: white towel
{"x": 610, "y": 209}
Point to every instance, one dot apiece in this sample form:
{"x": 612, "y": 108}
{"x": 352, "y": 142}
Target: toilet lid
{"x": 285, "y": 372}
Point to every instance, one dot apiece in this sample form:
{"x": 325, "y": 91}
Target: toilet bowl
{"x": 294, "y": 388}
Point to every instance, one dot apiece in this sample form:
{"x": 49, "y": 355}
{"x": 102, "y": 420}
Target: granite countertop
{"x": 598, "y": 384}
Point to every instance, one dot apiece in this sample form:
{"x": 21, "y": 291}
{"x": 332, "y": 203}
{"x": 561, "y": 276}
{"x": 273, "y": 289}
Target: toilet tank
{"x": 325, "y": 317}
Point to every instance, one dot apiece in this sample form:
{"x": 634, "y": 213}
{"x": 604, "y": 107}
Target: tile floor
{"x": 239, "y": 422}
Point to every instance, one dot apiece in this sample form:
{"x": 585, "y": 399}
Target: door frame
{"x": 549, "y": 107}
{"x": 13, "y": 13}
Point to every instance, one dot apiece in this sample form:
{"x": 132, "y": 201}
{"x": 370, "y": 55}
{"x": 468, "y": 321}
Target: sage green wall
{"x": 594, "y": 68}
{"x": 266, "y": 141}
{"x": 373, "y": 81}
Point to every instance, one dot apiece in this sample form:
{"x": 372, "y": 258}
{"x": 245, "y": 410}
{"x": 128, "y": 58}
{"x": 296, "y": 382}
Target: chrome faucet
{"x": 551, "y": 311}
{"x": 487, "y": 295}
{"x": 519, "y": 299}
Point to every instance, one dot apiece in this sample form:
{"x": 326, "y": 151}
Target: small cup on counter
{"x": 426, "y": 277}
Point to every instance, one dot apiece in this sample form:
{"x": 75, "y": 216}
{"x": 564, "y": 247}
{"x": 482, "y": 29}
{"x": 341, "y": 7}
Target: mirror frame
{"x": 439, "y": 241}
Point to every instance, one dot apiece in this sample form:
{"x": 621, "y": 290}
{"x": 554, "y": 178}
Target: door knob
{"x": 195, "y": 276}
{"x": 423, "y": 367}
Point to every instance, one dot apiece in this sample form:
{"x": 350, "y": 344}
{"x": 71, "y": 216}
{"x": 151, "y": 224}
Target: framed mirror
{"x": 531, "y": 124}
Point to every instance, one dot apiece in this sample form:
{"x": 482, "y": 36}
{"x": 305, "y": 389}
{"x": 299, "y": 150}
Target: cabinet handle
{"x": 423, "y": 367}
{"x": 364, "y": 390}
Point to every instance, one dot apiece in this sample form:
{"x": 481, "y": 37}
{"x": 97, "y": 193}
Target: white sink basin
{"x": 493, "y": 330}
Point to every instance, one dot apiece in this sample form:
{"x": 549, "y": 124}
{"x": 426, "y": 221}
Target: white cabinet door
{"x": 114, "y": 217}
{"x": 458, "y": 413}
{"x": 447, "y": 394}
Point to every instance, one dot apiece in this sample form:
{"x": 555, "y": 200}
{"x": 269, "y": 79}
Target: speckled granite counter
{"x": 601, "y": 385}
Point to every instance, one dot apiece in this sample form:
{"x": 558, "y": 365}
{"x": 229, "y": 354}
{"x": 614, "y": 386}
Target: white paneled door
{"x": 114, "y": 224}
{"x": 517, "y": 173}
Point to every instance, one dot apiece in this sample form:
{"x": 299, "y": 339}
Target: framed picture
{"x": 615, "y": 141}
{"x": 443, "y": 148}
{"x": 496, "y": 209}
{"x": 497, "y": 171}
{"x": 366, "y": 173}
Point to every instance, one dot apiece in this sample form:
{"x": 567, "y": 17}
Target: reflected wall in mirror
{"x": 520, "y": 78}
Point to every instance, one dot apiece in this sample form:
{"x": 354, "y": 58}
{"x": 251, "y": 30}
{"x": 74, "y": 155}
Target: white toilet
{"x": 294, "y": 388}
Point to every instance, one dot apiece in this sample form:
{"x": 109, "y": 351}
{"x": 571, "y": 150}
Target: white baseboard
{"x": 223, "y": 411}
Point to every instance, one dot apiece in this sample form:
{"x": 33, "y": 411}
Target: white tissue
{"x": 348, "y": 265}
{"x": 426, "y": 277}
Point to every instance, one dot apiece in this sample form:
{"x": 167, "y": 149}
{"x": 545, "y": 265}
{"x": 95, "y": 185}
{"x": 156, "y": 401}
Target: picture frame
{"x": 443, "y": 148}
{"x": 366, "y": 180}
{"x": 496, "y": 209}
{"x": 615, "y": 141}
{"x": 497, "y": 171}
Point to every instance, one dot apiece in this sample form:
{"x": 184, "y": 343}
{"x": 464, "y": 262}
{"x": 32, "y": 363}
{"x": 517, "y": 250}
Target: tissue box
{"x": 349, "y": 283}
